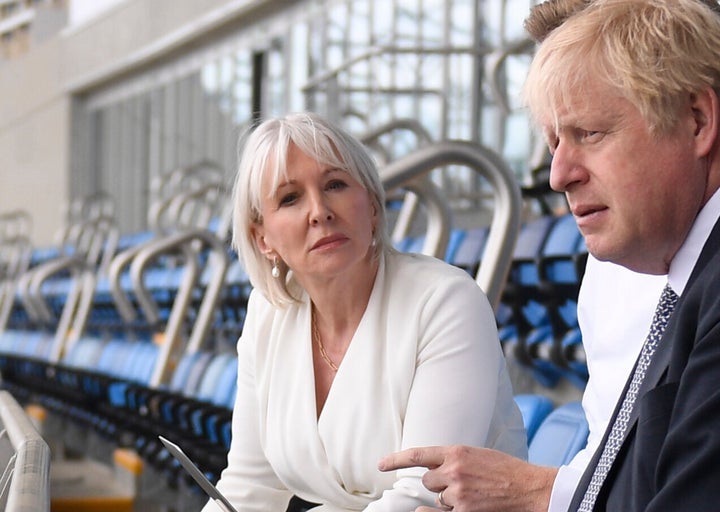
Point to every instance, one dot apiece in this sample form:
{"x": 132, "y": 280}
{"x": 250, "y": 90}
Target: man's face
{"x": 634, "y": 194}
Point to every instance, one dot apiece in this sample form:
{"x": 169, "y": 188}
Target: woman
{"x": 350, "y": 350}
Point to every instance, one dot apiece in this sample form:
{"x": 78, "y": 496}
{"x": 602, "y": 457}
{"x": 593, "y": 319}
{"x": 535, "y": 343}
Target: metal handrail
{"x": 96, "y": 244}
{"x": 29, "y": 466}
{"x": 412, "y": 125}
{"x": 505, "y": 224}
{"x": 195, "y": 207}
{"x": 14, "y": 223}
{"x": 439, "y": 216}
{"x": 494, "y": 65}
{"x": 189, "y": 242}
{"x": 16, "y": 256}
{"x": 167, "y": 186}
{"x": 381, "y": 51}
{"x": 81, "y": 212}
{"x": 438, "y": 212}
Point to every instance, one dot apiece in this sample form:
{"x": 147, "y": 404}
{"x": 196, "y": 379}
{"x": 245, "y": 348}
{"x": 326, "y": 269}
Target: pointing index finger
{"x": 429, "y": 457}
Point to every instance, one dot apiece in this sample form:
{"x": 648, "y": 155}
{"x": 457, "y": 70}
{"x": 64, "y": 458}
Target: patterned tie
{"x": 617, "y": 433}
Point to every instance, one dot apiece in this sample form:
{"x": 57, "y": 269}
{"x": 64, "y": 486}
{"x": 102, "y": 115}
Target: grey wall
{"x": 37, "y": 90}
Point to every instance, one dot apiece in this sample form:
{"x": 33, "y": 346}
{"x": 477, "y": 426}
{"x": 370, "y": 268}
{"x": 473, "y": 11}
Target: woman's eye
{"x": 287, "y": 199}
{"x": 336, "y": 185}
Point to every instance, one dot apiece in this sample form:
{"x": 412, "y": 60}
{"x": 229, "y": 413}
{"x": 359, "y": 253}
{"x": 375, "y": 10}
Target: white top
{"x": 423, "y": 368}
{"x": 615, "y": 310}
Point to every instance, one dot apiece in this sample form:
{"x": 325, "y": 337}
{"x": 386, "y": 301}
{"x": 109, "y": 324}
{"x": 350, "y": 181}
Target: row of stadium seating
{"x": 132, "y": 336}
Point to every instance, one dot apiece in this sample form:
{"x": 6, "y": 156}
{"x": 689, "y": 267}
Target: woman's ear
{"x": 258, "y": 235}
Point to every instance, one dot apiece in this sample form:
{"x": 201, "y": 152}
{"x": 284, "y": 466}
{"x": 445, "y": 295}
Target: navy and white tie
{"x": 617, "y": 433}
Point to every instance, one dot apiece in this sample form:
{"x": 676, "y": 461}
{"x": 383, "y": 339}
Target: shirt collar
{"x": 685, "y": 259}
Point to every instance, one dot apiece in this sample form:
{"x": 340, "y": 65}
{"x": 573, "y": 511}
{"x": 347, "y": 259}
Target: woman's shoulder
{"x": 422, "y": 277}
{"x": 258, "y": 302}
{"x": 419, "y": 267}
{"x": 262, "y": 310}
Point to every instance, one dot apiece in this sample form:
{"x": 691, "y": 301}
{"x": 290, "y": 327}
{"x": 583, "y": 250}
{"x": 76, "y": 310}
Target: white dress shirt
{"x": 613, "y": 339}
{"x": 615, "y": 309}
{"x": 423, "y": 368}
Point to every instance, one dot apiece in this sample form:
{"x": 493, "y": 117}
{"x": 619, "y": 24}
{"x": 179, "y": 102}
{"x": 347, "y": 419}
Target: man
{"x": 615, "y": 308}
{"x": 635, "y": 142}
{"x": 626, "y": 93}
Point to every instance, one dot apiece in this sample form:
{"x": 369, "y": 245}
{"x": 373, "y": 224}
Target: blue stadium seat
{"x": 521, "y": 309}
{"x": 468, "y": 253}
{"x": 534, "y": 409}
{"x": 561, "y": 267}
{"x": 560, "y": 436}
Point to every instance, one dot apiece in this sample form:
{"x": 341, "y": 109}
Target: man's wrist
{"x": 540, "y": 485}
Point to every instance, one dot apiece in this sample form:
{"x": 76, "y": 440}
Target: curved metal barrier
{"x": 25, "y": 480}
{"x": 189, "y": 243}
{"x": 421, "y": 189}
{"x": 506, "y": 218}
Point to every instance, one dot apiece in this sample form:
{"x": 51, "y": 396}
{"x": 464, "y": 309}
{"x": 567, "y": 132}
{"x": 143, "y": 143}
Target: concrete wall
{"x": 37, "y": 91}
{"x": 137, "y": 33}
{"x": 34, "y": 116}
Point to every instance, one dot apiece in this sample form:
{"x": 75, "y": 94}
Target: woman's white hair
{"x": 265, "y": 150}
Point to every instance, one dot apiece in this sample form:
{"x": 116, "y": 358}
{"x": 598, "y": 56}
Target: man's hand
{"x": 478, "y": 479}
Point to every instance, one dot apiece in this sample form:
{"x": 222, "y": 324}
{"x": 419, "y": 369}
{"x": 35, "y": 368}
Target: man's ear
{"x": 706, "y": 113}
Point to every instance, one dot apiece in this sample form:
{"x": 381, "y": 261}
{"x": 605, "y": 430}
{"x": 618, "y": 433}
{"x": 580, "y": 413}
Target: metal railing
{"x": 25, "y": 480}
{"x": 505, "y": 224}
{"x": 420, "y": 190}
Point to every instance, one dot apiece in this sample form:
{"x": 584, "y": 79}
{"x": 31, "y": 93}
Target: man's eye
{"x": 591, "y": 135}
{"x": 552, "y": 143}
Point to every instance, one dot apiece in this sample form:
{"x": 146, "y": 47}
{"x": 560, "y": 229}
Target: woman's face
{"x": 320, "y": 221}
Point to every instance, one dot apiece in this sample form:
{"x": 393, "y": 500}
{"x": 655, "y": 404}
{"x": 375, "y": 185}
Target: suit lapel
{"x": 590, "y": 468}
{"x": 654, "y": 374}
{"x": 663, "y": 353}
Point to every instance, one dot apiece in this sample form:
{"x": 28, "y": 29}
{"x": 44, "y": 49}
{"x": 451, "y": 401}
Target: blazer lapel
{"x": 654, "y": 374}
{"x": 655, "y": 371}
{"x": 663, "y": 353}
{"x": 590, "y": 468}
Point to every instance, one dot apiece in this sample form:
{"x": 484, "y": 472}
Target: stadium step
{"x": 87, "y": 485}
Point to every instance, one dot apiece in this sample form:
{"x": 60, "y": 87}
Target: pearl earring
{"x": 275, "y": 272}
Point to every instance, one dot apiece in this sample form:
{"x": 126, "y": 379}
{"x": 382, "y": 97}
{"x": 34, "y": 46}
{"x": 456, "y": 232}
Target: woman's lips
{"x": 329, "y": 240}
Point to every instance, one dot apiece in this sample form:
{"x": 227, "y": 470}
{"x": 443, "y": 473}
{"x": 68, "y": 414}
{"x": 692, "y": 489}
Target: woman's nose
{"x": 320, "y": 210}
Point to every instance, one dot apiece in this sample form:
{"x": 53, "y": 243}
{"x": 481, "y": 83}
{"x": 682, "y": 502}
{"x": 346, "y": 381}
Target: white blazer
{"x": 423, "y": 368}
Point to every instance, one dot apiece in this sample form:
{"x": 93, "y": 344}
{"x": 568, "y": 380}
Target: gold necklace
{"x": 318, "y": 340}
